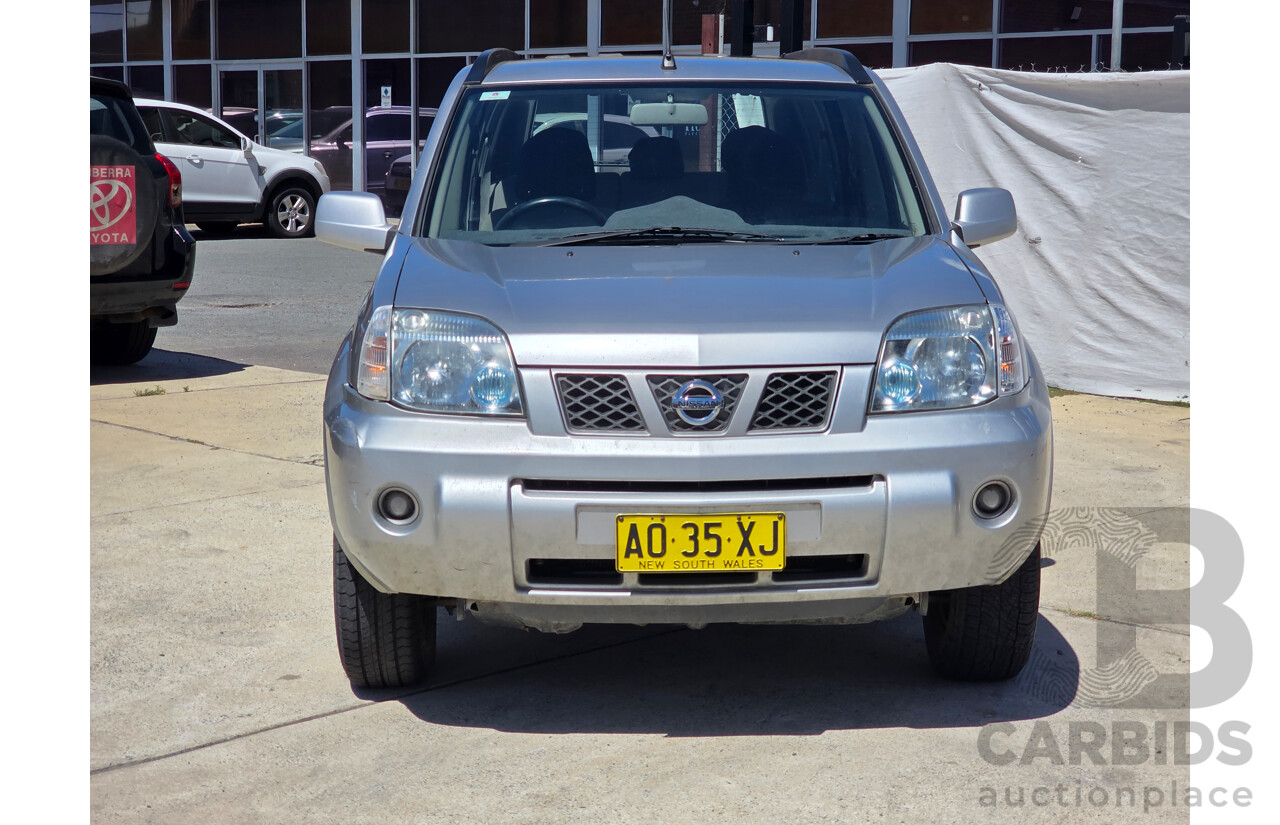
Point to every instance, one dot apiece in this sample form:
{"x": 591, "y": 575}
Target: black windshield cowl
{"x": 659, "y": 234}
{"x": 866, "y": 237}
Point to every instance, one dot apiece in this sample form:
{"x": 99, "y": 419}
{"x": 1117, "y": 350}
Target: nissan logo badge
{"x": 698, "y": 402}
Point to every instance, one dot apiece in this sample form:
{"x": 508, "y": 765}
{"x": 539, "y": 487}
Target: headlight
{"x": 948, "y": 358}
{"x": 437, "y": 362}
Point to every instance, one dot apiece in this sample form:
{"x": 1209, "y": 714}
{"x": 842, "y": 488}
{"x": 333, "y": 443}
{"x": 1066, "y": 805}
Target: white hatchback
{"x": 229, "y": 179}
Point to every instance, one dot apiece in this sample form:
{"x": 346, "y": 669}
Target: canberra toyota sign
{"x": 112, "y": 205}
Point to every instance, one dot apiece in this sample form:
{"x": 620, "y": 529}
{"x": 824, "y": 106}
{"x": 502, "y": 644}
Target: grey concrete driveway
{"x": 217, "y": 695}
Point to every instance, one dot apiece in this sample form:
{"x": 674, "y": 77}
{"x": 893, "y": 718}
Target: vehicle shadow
{"x": 163, "y": 365}
{"x": 729, "y": 680}
{"x": 245, "y": 231}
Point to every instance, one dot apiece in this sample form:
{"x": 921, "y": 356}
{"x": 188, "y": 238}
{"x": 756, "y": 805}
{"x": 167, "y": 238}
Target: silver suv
{"x": 753, "y": 374}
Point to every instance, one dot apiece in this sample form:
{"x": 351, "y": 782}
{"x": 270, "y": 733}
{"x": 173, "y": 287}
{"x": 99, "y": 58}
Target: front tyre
{"x": 985, "y": 633}
{"x": 120, "y": 344}
{"x": 385, "y": 640}
{"x": 291, "y": 213}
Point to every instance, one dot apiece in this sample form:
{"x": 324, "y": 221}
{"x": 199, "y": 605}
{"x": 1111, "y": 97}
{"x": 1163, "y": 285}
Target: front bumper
{"x": 501, "y": 500}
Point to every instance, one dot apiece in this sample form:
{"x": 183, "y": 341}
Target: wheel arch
{"x": 287, "y": 179}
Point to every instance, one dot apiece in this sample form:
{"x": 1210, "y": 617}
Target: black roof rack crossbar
{"x": 839, "y": 58}
{"x": 485, "y": 63}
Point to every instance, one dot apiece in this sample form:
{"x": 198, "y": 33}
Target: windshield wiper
{"x": 659, "y": 233}
{"x": 866, "y": 237}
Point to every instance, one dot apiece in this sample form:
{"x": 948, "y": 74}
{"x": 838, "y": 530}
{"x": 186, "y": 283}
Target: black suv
{"x": 141, "y": 257}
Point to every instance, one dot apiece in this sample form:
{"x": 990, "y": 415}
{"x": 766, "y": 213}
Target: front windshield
{"x": 801, "y": 163}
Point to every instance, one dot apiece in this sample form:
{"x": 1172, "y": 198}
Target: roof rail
{"x": 839, "y": 58}
{"x": 485, "y": 63}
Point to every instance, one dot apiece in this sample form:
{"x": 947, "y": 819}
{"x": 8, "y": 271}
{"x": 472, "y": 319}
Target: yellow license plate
{"x": 703, "y": 543}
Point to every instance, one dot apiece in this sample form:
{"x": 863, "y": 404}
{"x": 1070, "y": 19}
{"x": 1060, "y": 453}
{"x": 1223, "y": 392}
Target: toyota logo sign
{"x": 112, "y": 205}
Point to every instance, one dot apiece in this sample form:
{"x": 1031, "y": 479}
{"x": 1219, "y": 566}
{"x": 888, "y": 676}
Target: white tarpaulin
{"x": 1098, "y": 274}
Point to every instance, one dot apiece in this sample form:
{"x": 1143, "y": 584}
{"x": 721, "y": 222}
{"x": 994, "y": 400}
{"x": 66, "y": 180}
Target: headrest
{"x": 656, "y": 158}
{"x": 556, "y": 162}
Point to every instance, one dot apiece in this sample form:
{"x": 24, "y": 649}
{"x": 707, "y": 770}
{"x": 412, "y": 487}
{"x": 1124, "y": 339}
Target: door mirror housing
{"x": 353, "y": 220}
{"x": 984, "y": 216}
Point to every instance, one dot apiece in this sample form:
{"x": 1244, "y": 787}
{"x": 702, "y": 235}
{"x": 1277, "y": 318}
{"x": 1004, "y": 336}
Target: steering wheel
{"x": 553, "y": 200}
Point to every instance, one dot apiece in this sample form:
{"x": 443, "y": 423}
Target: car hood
{"x": 693, "y": 305}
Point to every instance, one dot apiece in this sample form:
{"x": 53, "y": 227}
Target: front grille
{"x": 795, "y": 401}
{"x": 598, "y": 403}
{"x": 571, "y": 572}
{"x": 822, "y": 568}
{"x": 664, "y": 388}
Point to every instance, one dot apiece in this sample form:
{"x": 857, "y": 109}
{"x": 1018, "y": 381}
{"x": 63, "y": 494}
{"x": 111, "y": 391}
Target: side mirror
{"x": 246, "y": 146}
{"x": 984, "y": 216}
{"x": 353, "y": 220}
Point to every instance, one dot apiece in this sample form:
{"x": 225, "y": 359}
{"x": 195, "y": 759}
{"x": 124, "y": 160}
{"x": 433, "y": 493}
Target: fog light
{"x": 397, "y": 505}
{"x": 992, "y": 499}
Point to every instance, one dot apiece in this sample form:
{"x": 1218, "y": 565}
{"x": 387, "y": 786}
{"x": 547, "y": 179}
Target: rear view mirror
{"x": 984, "y": 216}
{"x": 668, "y": 114}
{"x": 353, "y": 220}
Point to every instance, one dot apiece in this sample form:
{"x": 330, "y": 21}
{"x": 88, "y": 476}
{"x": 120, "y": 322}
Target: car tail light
{"x": 175, "y": 180}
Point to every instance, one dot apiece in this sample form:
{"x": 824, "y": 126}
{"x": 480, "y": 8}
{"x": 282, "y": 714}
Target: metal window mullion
{"x": 528, "y": 37}
{"x": 931, "y": 38}
{"x": 215, "y": 73}
{"x": 1117, "y": 26}
{"x": 594, "y": 32}
{"x": 357, "y": 100}
{"x": 995, "y": 29}
{"x": 124, "y": 34}
{"x": 414, "y": 137}
{"x": 901, "y": 28}
{"x": 414, "y": 102}
{"x": 166, "y": 46}
{"x": 261, "y": 135}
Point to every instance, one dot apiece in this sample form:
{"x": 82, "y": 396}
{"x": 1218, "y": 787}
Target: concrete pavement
{"x": 217, "y": 695}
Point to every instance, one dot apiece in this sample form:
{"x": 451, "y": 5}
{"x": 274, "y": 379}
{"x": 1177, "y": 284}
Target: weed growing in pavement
{"x": 158, "y": 390}
{"x": 1082, "y": 614}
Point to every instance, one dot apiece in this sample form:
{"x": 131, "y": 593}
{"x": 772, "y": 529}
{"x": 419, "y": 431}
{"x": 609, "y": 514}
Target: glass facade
{"x": 286, "y": 71}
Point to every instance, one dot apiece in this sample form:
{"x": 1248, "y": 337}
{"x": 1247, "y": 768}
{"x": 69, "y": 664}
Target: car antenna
{"x": 668, "y": 59}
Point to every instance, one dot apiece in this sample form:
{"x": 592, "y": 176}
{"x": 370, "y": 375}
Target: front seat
{"x": 555, "y": 162}
{"x": 765, "y": 174}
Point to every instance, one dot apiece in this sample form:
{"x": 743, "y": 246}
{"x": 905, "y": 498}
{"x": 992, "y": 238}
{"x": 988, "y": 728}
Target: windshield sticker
{"x": 502, "y": 95}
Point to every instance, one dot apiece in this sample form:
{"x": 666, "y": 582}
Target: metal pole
{"x": 1117, "y": 23}
{"x": 668, "y": 61}
{"x": 741, "y": 41}
{"x": 792, "y": 39}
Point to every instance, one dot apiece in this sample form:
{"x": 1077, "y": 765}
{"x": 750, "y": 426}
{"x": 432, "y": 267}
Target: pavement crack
{"x": 1076, "y": 614}
{"x": 310, "y": 461}
{"x": 380, "y": 699}
{"x": 169, "y": 504}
